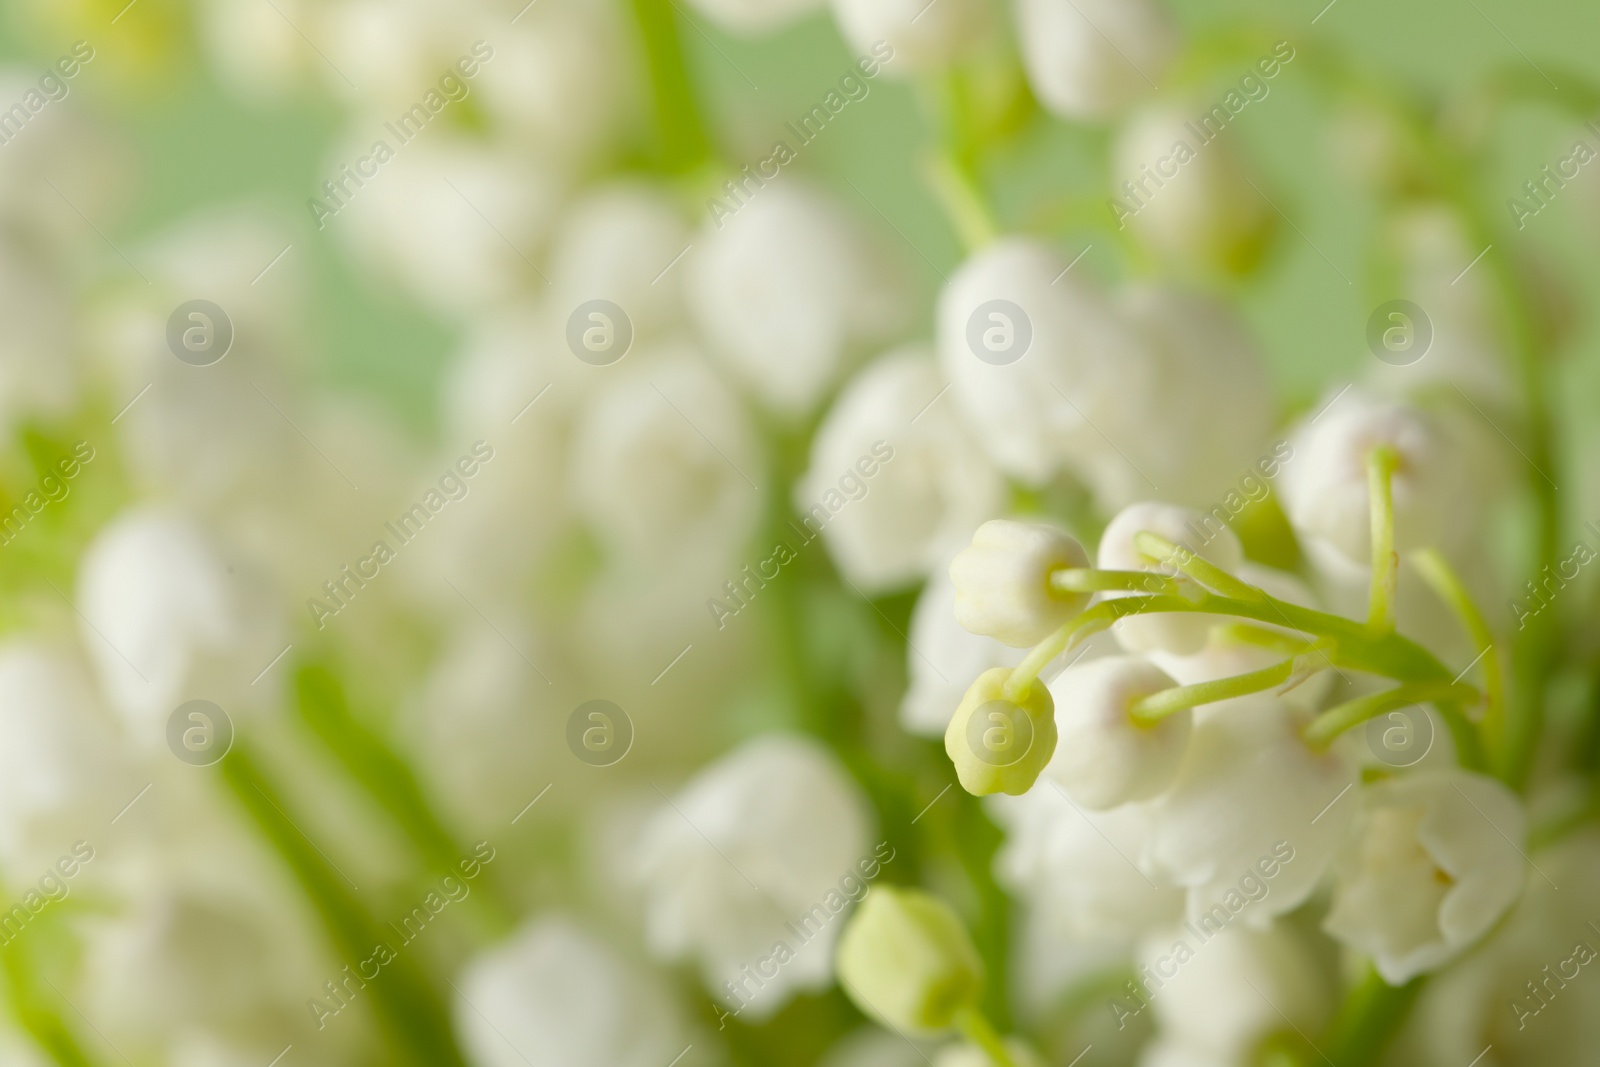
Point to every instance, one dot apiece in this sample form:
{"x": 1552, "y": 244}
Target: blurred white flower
{"x": 1104, "y": 758}
{"x": 38, "y": 371}
{"x": 1035, "y": 415}
{"x": 1248, "y": 784}
{"x": 786, "y": 289}
{"x": 1180, "y": 633}
{"x": 1325, "y": 488}
{"x": 664, "y": 463}
{"x": 1002, "y": 581}
{"x": 962, "y": 1054}
{"x": 752, "y": 17}
{"x": 613, "y": 244}
{"x": 1435, "y": 862}
{"x": 1209, "y": 214}
{"x": 1087, "y": 59}
{"x": 455, "y": 221}
{"x": 155, "y": 600}
{"x": 942, "y": 658}
{"x": 923, "y": 35}
{"x": 60, "y": 768}
{"x": 1167, "y": 429}
{"x": 914, "y": 509}
{"x": 754, "y": 843}
{"x": 555, "y": 996}
{"x": 1527, "y": 997}
{"x": 1079, "y": 870}
{"x": 1215, "y": 1002}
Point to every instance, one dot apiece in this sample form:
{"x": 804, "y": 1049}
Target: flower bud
{"x": 999, "y": 745}
{"x": 1202, "y": 535}
{"x": 906, "y": 960}
{"x": 1003, "y": 581}
{"x": 1108, "y": 758}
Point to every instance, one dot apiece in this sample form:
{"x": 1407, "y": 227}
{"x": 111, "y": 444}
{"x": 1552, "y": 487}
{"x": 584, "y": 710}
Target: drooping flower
{"x": 1104, "y": 758}
{"x": 1087, "y": 59}
{"x": 914, "y": 483}
{"x": 1435, "y": 861}
{"x": 753, "y": 849}
{"x": 555, "y": 996}
{"x": 1002, "y": 581}
{"x": 906, "y": 960}
{"x": 999, "y": 744}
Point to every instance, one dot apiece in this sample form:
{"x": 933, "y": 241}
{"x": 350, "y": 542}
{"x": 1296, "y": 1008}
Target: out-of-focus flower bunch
{"x": 600, "y": 725}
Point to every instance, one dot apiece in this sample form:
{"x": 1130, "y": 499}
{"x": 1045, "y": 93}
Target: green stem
{"x": 389, "y": 781}
{"x": 1038, "y": 658}
{"x": 1089, "y": 580}
{"x": 414, "y": 1022}
{"x": 1448, "y": 585}
{"x": 683, "y": 144}
{"x": 1202, "y": 570}
{"x": 1335, "y": 721}
{"x": 1369, "y": 1017}
{"x": 1381, "y": 464}
{"x": 1157, "y": 706}
{"x": 975, "y": 1027}
{"x": 956, "y": 188}
{"x": 46, "y": 1027}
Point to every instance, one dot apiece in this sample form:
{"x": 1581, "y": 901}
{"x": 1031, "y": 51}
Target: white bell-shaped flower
{"x": 1325, "y": 488}
{"x": 1087, "y": 59}
{"x": 1168, "y": 438}
{"x": 1203, "y": 535}
{"x": 1526, "y": 996}
{"x": 1251, "y": 796}
{"x": 942, "y": 658}
{"x": 764, "y": 848}
{"x": 1079, "y": 869}
{"x": 1002, "y": 581}
{"x": 155, "y": 600}
{"x": 909, "y": 483}
{"x": 1206, "y": 212}
{"x": 1435, "y": 861}
{"x": 1104, "y": 758}
{"x": 555, "y": 996}
{"x": 616, "y": 244}
{"x": 785, "y": 289}
{"x": 59, "y": 769}
{"x": 665, "y": 465}
{"x": 917, "y": 35}
{"x": 1199, "y": 986}
{"x": 1038, "y": 357}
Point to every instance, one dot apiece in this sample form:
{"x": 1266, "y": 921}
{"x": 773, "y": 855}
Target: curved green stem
{"x": 1444, "y": 581}
{"x": 1089, "y": 580}
{"x": 975, "y": 1027}
{"x": 1191, "y": 563}
{"x": 1157, "y": 706}
{"x": 1068, "y": 635}
{"x": 1371, "y": 1014}
{"x": 1335, "y": 721}
{"x": 1381, "y": 464}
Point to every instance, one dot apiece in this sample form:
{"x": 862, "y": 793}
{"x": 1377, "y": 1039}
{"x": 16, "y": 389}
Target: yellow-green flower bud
{"x": 999, "y": 745}
{"x": 906, "y": 960}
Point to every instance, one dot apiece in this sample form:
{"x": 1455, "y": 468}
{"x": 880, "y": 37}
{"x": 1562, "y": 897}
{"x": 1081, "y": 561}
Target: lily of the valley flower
{"x": 1003, "y": 586}
{"x": 1435, "y": 862}
{"x": 999, "y": 744}
{"x": 1104, "y": 758}
{"x": 1086, "y": 59}
{"x": 906, "y": 960}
